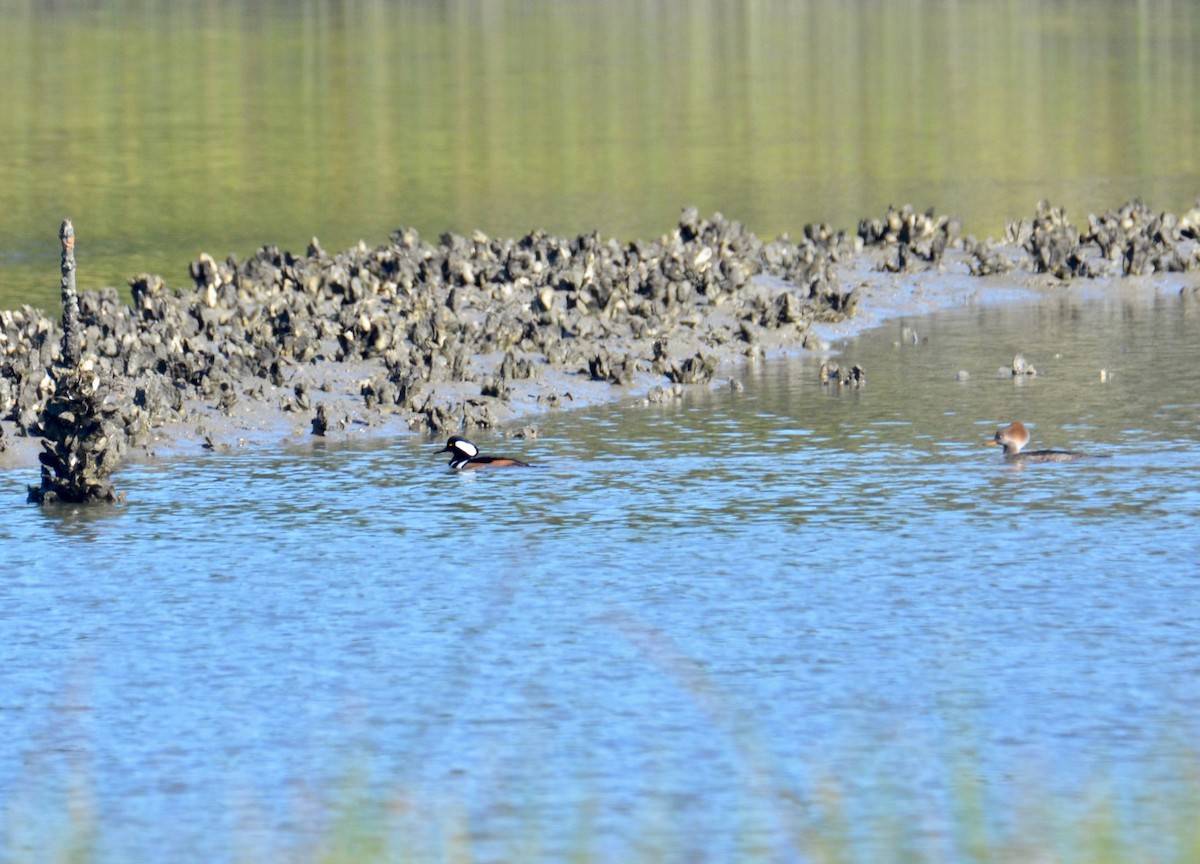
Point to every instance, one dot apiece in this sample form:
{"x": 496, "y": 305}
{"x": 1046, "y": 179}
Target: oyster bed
{"x": 475, "y": 332}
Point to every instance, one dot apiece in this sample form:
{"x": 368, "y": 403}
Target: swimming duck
{"x": 465, "y": 457}
{"x": 1014, "y": 436}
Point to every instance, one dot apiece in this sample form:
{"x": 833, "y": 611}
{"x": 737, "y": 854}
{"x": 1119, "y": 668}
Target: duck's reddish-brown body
{"x": 465, "y": 456}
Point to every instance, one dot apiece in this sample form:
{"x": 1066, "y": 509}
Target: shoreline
{"x": 476, "y": 333}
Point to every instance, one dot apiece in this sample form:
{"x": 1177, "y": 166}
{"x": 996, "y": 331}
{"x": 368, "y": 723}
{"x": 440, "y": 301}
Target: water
{"x": 661, "y": 643}
{"x": 168, "y": 129}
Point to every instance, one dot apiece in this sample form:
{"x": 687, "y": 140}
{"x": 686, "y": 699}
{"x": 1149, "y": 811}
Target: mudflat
{"x": 473, "y": 332}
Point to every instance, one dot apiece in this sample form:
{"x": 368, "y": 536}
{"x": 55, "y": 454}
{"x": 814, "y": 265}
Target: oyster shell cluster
{"x": 440, "y": 335}
{"x": 436, "y": 334}
{"x": 1130, "y": 241}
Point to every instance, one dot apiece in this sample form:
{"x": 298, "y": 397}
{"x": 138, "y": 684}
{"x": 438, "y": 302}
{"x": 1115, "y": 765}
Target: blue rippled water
{"x": 662, "y": 642}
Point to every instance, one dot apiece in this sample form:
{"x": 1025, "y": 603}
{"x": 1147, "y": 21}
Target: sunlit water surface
{"x": 168, "y": 128}
{"x": 662, "y": 642}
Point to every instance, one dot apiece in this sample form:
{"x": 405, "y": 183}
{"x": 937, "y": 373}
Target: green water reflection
{"x": 164, "y": 129}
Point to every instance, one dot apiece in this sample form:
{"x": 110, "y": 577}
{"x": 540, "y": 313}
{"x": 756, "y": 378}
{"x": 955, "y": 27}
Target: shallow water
{"x": 658, "y": 642}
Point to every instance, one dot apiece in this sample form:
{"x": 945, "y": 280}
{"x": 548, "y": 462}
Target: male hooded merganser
{"x": 466, "y": 457}
{"x": 1014, "y": 436}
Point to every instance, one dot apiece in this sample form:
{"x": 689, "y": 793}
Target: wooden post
{"x": 80, "y": 445}
{"x": 72, "y": 342}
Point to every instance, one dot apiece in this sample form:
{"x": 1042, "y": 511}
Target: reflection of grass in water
{"x": 35, "y": 832}
{"x": 851, "y": 814}
{"x": 371, "y": 828}
{"x": 1042, "y": 829}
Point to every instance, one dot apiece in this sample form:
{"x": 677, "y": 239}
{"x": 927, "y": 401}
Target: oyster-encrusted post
{"x": 79, "y": 448}
{"x": 72, "y": 341}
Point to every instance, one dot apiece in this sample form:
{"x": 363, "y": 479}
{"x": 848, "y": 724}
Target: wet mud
{"x": 473, "y": 332}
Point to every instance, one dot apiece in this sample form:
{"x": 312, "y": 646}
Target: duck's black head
{"x": 462, "y": 451}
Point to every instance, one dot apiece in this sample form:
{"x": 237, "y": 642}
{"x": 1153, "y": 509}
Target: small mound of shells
{"x": 917, "y": 240}
{"x": 1130, "y": 241}
{"x": 81, "y": 445}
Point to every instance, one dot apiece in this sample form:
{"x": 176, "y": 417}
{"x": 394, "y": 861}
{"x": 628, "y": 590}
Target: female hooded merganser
{"x": 466, "y": 457}
{"x": 1014, "y": 436}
